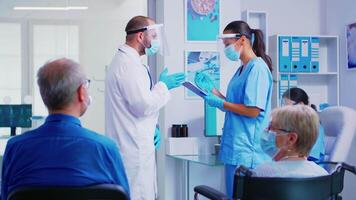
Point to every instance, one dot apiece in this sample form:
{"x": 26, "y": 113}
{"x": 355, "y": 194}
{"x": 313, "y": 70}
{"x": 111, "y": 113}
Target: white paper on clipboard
{"x": 194, "y": 89}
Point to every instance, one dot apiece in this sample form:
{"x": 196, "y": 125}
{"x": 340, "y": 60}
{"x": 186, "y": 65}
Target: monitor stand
{"x": 13, "y": 131}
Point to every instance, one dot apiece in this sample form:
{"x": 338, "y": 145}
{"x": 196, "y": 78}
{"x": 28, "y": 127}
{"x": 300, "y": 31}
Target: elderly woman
{"x": 288, "y": 140}
{"x": 295, "y": 96}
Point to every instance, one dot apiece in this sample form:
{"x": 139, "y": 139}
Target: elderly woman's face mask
{"x": 269, "y": 140}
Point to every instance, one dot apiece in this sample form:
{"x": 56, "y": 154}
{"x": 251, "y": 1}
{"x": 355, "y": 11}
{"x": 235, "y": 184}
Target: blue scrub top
{"x": 240, "y": 143}
{"x": 61, "y": 153}
{"x": 318, "y": 151}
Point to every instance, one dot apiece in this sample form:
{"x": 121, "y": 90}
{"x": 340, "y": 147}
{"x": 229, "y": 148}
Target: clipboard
{"x": 195, "y": 89}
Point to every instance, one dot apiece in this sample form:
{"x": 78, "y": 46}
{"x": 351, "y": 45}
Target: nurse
{"x": 247, "y": 103}
{"x": 294, "y": 96}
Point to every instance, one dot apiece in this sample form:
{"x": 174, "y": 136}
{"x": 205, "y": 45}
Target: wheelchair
{"x": 247, "y": 187}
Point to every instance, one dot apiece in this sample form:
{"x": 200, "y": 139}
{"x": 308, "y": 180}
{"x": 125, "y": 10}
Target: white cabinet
{"x": 310, "y": 62}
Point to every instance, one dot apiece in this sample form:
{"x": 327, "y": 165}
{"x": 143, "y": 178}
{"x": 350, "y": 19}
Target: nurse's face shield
{"x": 285, "y": 101}
{"x": 155, "y": 33}
{"x": 225, "y": 40}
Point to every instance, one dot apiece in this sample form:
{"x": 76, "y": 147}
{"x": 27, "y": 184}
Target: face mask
{"x": 268, "y": 143}
{"x": 153, "y": 49}
{"x": 231, "y": 53}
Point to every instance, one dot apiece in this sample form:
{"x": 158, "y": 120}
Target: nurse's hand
{"x": 157, "y": 138}
{"x": 214, "y": 101}
{"x": 173, "y": 80}
{"x": 204, "y": 81}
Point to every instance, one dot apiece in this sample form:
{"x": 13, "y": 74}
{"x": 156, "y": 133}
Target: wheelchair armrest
{"x": 344, "y": 165}
{"x": 210, "y": 193}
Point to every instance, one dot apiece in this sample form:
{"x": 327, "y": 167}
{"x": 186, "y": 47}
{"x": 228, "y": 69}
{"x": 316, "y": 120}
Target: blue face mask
{"x": 268, "y": 143}
{"x": 231, "y": 53}
{"x": 153, "y": 49}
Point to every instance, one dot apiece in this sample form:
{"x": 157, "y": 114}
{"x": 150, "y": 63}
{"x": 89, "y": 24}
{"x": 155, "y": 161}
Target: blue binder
{"x": 285, "y": 50}
{"x": 293, "y": 81}
{"x": 295, "y": 54}
{"x": 305, "y": 49}
{"x": 283, "y": 86}
{"x": 315, "y": 54}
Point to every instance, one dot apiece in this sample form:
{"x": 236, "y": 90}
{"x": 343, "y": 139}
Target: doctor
{"x": 247, "y": 104}
{"x": 132, "y": 104}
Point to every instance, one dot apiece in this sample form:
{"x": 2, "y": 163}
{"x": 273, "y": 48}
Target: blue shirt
{"x": 251, "y": 86}
{"x": 61, "y": 153}
{"x": 318, "y": 151}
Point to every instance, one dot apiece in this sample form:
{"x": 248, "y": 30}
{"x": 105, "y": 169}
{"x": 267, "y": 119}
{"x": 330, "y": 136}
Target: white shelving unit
{"x": 321, "y": 86}
{"x": 257, "y": 20}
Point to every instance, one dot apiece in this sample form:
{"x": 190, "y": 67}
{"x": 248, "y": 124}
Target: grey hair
{"x": 58, "y": 81}
{"x": 302, "y": 120}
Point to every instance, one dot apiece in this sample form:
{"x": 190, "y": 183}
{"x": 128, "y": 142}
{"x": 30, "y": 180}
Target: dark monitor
{"x": 15, "y": 116}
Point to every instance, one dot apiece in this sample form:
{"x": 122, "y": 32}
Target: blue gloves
{"x": 157, "y": 138}
{"x": 204, "y": 81}
{"x": 214, "y": 101}
{"x": 173, "y": 80}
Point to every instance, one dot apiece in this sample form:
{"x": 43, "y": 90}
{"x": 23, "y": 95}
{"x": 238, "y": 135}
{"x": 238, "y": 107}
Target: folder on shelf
{"x": 315, "y": 54}
{"x": 285, "y": 51}
{"x": 305, "y": 49}
{"x": 295, "y": 54}
{"x": 293, "y": 81}
{"x": 283, "y": 85}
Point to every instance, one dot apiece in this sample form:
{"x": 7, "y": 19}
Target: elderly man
{"x": 61, "y": 152}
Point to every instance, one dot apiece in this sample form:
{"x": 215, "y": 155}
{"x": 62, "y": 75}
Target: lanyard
{"x": 149, "y": 76}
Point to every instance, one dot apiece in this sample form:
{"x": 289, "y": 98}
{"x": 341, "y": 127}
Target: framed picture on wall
{"x": 202, "y": 20}
{"x": 207, "y": 62}
{"x": 351, "y": 46}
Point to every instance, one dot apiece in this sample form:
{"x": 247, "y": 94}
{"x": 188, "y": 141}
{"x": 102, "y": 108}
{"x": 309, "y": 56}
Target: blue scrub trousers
{"x": 229, "y": 179}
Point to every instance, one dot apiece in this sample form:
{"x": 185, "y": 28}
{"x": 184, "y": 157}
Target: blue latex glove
{"x": 157, "y": 138}
{"x": 173, "y": 80}
{"x": 204, "y": 81}
{"x": 214, "y": 101}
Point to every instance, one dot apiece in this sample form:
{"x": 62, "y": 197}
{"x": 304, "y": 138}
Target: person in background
{"x": 133, "y": 102}
{"x": 288, "y": 140}
{"x": 61, "y": 152}
{"x": 247, "y": 103}
{"x": 296, "y": 96}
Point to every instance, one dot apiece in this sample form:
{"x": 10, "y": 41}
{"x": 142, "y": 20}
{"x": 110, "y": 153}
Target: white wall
{"x": 338, "y": 15}
{"x": 101, "y": 32}
{"x": 288, "y": 16}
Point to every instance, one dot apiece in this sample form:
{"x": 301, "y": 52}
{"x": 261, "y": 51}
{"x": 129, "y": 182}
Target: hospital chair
{"x": 247, "y": 187}
{"x": 102, "y": 192}
{"x": 339, "y": 125}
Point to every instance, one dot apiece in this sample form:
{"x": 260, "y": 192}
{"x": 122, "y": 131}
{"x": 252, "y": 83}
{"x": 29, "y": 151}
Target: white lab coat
{"x": 131, "y": 114}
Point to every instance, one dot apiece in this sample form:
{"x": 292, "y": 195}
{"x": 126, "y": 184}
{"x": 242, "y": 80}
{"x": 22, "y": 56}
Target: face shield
{"x": 155, "y": 37}
{"x": 226, "y": 46}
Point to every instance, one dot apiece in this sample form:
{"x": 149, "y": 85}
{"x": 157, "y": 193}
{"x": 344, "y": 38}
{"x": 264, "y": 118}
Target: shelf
{"x": 311, "y": 74}
{"x": 322, "y": 86}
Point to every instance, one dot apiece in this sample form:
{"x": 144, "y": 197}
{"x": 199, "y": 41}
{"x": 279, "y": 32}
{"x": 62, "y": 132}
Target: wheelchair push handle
{"x": 343, "y": 165}
{"x": 349, "y": 168}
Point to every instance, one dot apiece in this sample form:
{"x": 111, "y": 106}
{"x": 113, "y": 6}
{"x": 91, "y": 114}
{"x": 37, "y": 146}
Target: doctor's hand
{"x": 214, "y": 101}
{"x": 173, "y": 80}
{"x": 157, "y": 138}
{"x": 204, "y": 81}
